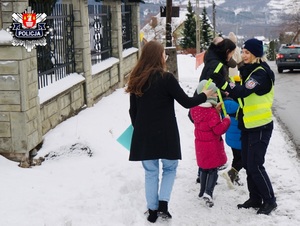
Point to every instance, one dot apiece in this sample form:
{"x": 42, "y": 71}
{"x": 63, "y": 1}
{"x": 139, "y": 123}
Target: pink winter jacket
{"x": 209, "y": 127}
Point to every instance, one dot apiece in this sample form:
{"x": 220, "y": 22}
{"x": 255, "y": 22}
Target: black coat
{"x": 155, "y": 134}
{"x": 211, "y": 61}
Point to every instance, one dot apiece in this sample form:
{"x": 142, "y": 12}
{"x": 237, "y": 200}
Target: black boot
{"x": 267, "y": 208}
{"x": 163, "y": 210}
{"x": 250, "y": 203}
{"x": 152, "y": 216}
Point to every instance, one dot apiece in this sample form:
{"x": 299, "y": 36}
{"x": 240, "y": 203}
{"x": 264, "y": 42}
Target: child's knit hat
{"x": 212, "y": 100}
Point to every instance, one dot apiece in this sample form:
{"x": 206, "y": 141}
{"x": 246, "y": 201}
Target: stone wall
{"x": 24, "y": 120}
{"x": 61, "y": 107}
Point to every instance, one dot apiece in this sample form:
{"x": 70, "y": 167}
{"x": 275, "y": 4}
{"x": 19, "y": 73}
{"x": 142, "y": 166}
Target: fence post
{"x": 20, "y": 122}
{"x": 116, "y": 33}
{"x": 83, "y": 63}
{"x": 136, "y": 25}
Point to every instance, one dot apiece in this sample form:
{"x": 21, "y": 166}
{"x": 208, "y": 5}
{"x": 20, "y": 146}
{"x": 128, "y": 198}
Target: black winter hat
{"x": 255, "y": 46}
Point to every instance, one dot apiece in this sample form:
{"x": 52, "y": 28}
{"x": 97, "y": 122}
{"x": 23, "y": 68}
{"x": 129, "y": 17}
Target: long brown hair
{"x": 223, "y": 48}
{"x": 150, "y": 62}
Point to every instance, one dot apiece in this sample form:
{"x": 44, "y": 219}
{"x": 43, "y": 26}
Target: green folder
{"x": 125, "y": 138}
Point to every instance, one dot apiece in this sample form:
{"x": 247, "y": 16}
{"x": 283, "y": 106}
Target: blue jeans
{"x": 154, "y": 193}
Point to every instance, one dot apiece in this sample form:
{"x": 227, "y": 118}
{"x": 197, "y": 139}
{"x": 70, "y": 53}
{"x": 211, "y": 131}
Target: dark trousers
{"x": 208, "y": 180}
{"x": 237, "y": 159}
{"x": 254, "y": 148}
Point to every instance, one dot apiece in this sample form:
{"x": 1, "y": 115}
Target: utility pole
{"x": 197, "y": 27}
{"x": 214, "y": 17}
{"x": 168, "y": 23}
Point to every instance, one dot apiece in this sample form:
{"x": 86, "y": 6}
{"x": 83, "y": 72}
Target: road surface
{"x": 286, "y": 105}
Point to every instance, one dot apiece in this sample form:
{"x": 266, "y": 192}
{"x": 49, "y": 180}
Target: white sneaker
{"x": 208, "y": 200}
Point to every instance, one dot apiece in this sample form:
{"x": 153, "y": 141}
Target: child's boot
{"x": 238, "y": 180}
{"x": 232, "y": 173}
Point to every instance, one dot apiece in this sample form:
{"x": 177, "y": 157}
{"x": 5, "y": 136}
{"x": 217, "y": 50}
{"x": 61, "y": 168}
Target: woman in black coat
{"x": 218, "y": 52}
{"x": 156, "y": 136}
{"x": 217, "y": 59}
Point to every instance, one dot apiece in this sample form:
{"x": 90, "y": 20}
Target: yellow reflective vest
{"x": 257, "y": 109}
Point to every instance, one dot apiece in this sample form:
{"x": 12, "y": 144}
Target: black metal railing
{"x": 57, "y": 59}
{"x": 100, "y": 32}
{"x": 126, "y": 27}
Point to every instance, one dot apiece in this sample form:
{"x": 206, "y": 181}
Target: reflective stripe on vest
{"x": 218, "y": 68}
{"x": 258, "y": 109}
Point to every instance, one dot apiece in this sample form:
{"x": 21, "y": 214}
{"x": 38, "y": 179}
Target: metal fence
{"x": 57, "y": 59}
{"x": 126, "y": 26}
{"x": 100, "y": 32}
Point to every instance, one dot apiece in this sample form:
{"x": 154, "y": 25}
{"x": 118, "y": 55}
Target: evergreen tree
{"x": 271, "y": 50}
{"x": 189, "y": 30}
{"x": 206, "y": 31}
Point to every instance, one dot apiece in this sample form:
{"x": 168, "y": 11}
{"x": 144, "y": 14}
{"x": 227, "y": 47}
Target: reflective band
{"x": 224, "y": 86}
{"x": 218, "y": 68}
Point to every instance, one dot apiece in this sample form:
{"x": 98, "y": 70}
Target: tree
{"x": 189, "y": 30}
{"x": 271, "y": 50}
{"x": 206, "y": 30}
{"x": 290, "y": 25}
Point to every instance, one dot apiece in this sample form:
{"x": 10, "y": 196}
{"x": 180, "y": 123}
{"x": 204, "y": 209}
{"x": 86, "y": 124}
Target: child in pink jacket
{"x": 209, "y": 145}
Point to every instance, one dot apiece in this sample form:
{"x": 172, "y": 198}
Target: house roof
{"x": 158, "y": 32}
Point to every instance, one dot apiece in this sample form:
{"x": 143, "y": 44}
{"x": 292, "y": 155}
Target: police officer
{"x": 255, "y": 95}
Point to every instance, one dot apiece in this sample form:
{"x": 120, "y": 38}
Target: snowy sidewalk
{"x": 88, "y": 181}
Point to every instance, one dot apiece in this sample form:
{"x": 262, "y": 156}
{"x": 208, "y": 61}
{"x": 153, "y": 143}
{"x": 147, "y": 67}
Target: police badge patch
{"x": 251, "y": 83}
{"x": 232, "y": 85}
{"x": 29, "y": 29}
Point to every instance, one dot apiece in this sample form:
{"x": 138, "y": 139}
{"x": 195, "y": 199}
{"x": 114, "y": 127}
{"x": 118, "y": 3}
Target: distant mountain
{"x": 245, "y": 18}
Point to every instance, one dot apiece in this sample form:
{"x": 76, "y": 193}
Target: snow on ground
{"x": 87, "y": 179}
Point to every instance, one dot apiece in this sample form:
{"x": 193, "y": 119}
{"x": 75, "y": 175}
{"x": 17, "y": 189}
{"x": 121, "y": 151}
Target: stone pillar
{"x": 172, "y": 61}
{"x": 135, "y": 18}
{"x": 116, "y": 27}
{"x": 82, "y": 45}
{"x": 1, "y": 25}
{"x": 20, "y": 125}
{"x": 116, "y": 33}
{"x": 7, "y": 8}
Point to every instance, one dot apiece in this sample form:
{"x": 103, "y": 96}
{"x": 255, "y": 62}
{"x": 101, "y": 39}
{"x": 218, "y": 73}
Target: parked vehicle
{"x": 288, "y": 58}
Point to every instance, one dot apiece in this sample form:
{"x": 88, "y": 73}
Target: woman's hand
{"x": 208, "y": 92}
